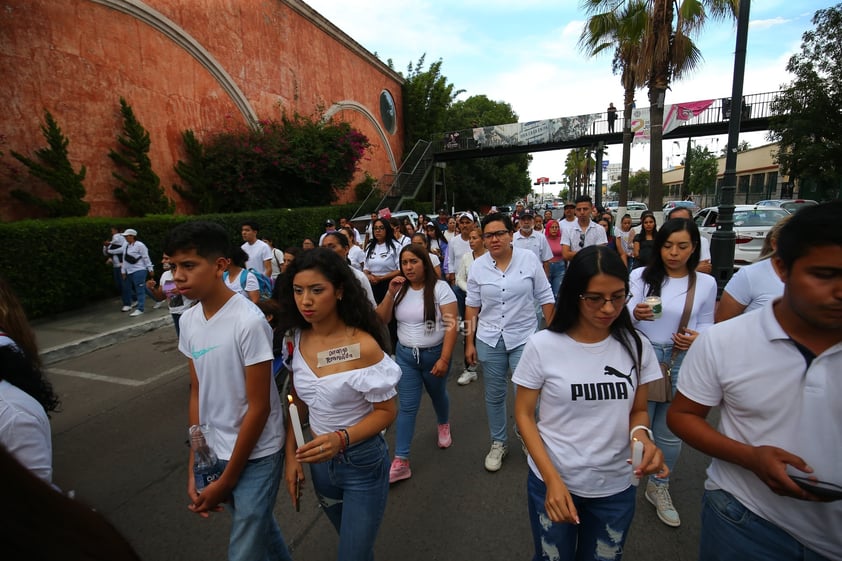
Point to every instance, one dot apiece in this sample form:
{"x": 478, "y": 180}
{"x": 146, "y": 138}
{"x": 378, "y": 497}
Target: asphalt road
{"x": 119, "y": 443}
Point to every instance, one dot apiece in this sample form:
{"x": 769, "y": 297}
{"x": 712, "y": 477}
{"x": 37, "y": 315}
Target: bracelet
{"x": 347, "y": 437}
{"x": 641, "y": 427}
{"x": 342, "y": 445}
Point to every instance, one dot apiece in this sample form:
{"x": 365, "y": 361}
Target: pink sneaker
{"x": 399, "y": 470}
{"x": 444, "y": 436}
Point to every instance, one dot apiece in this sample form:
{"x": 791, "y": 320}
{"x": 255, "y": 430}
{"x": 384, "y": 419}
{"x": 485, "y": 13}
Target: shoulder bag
{"x": 661, "y": 390}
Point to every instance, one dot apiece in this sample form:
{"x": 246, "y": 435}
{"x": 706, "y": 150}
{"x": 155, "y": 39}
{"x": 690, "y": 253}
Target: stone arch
{"x": 140, "y": 11}
{"x": 350, "y": 105}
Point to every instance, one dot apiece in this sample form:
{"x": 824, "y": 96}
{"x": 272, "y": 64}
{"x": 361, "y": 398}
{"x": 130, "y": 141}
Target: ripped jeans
{"x": 601, "y": 534}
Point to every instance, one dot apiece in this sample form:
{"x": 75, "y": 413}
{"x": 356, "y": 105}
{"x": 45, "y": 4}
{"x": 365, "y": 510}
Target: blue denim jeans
{"x": 557, "y": 269}
{"x": 415, "y": 374}
{"x": 135, "y": 282}
{"x": 669, "y": 444}
{"x": 352, "y": 488}
{"x": 460, "y": 299}
{"x": 255, "y": 535}
{"x": 731, "y": 532}
{"x": 600, "y": 535}
{"x": 496, "y": 362}
{"x": 118, "y": 280}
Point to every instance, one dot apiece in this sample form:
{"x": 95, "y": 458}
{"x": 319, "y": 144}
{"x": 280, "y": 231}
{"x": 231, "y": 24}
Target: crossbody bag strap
{"x": 688, "y": 308}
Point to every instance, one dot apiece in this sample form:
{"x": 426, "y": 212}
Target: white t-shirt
{"x": 750, "y": 368}
{"x": 704, "y": 249}
{"x": 536, "y": 243}
{"x": 566, "y": 225}
{"x": 455, "y": 250}
{"x": 236, "y": 283}
{"x": 176, "y": 301}
{"x": 383, "y": 260}
{"x": 258, "y": 253}
{"x": 409, "y": 313}
{"x": 115, "y": 249}
{"x": 755, "y": 285}
{"x": 276, "y": 261}
{"x": 356, "y": 256}
{"x": 404, "y": 240}
{"x": 584, "y": 407}
{"x": 366, "y": 286}
{"x": 434, "y": 259}
{"x": 507, "y": 299}
{"x": 463, "y": 269}
{"x": 673, "y": 296}
{"x": 25, "y": 430}
{"x": 236, "y": 336}
{"x": 340, "y": 400}
{"x": 627, "y": 239}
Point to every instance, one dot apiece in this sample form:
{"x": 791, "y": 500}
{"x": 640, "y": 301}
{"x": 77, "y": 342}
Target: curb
{"x": 92, "y": 343}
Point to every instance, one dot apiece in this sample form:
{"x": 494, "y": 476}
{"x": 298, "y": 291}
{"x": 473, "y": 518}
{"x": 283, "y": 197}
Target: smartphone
{"x": 821, "y": 489}
{"x": 297, "y": 495}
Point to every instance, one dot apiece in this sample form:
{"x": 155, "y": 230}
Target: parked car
{"x": 671, "y": 205}
{"x": 791, "y": 205}
{"x": 751, "y": 224}
{"x": 633, "y": 209}
{"x": 361, "y": 222}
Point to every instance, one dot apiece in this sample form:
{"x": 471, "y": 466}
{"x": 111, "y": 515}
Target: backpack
{"x": 264, "y": 283}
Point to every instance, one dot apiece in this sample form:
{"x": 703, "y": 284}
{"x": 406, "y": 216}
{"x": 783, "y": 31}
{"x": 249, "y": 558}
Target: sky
{"x": 524, "y": 52}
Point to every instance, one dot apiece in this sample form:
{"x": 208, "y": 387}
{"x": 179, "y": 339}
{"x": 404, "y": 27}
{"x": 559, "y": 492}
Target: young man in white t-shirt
{"x": 229, "y": 348}
{"x": 259, "y": 252}
{"x": 775, "y": 376}
{"x": 584, "y": 232}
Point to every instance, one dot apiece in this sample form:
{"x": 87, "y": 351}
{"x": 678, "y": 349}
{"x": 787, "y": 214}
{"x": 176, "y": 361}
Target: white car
{"x": 633, "y": 209}
{"x": 751, "y": 224}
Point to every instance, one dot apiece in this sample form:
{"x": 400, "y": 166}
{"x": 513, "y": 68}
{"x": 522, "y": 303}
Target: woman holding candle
{"x": 425, "y": 309}
{"x": 346, "y": 380}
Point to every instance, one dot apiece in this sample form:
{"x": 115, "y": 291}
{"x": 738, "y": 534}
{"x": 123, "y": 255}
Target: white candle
{"x": 637, "y": 457}
{"x": 296, "y": 423}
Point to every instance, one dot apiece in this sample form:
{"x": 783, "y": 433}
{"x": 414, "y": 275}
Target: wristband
{"x": 641, "y": 427}
{"x": 347, "y": 437}
{"x": 341, "y": 440}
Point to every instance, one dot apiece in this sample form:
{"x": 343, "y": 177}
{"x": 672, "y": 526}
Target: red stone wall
{"x": 77, "y": 57}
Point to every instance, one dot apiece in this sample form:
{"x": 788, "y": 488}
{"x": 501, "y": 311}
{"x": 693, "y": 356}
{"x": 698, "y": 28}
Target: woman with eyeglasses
{"x": 381, "y": 258}
{"x": 579, "y": 488}
{"x": 644, "y": 241}
{"x": 503, "y": 284}
{"x": 669, "y": 276}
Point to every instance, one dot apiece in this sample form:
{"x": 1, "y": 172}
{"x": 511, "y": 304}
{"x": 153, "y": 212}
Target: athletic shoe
{"x": 466, "y": 377}
{"x": 134, "y": 304}
{"x": 659, "y": 495}
{"x": 399, "y": 470}
{"x": 125, "y": 308}
{"x": 158, "y": 305}
{"x": 136, "y": 313}
{"x": 445, "y": 439}
{"x": 494, "y": 459}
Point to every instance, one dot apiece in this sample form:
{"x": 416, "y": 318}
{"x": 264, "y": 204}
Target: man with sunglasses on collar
{"x": 584, "y": 232}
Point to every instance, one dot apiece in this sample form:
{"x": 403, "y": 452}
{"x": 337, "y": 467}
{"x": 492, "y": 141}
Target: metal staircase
{"x": 405, "y": 184}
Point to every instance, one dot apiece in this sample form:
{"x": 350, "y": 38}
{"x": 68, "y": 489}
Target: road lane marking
{"x": 114, "y": 379}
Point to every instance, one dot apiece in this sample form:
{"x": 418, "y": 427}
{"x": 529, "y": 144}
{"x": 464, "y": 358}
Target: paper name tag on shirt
{"x": 339, "y": 354}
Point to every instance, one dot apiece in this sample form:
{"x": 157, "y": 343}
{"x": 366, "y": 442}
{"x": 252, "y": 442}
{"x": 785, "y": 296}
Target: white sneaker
{"x": 125, "y": 308}
{"x": 136, "y": 313}
{"x": 466, "y": 377}
{"x": 659, "y": 495}
{"x": 494, "y": 459}
{"x": 158, "y": 305}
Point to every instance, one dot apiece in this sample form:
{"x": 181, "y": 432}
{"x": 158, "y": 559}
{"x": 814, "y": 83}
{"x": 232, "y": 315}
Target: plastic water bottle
{"x": 206, "y": 468}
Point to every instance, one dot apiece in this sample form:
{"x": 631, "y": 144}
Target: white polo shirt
{"x": 507, "y": 299}
{"x": 594, "y": 235}
{"x": 752, "y": 370}
{"x": 536, "y": 242}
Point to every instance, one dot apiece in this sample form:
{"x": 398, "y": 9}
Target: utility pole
{"x": 723, "y": 239}
{"x": 685, "y": 182}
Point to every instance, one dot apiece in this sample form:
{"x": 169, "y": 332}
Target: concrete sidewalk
{"x": 93, "y": 327}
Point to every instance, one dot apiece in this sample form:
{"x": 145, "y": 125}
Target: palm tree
{"x": 577, "y": 169}
{"x": 623, "y": 32}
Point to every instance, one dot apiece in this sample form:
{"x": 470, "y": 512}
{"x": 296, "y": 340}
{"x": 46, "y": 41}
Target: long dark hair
{"x": 655, "y": 274}
{"x": 643, "y": 216}
{"x": 351, "y": 308}
{"x": 430, "y": 281}
{"x": 389, "y": 241}
{"x": 587, "y": 263}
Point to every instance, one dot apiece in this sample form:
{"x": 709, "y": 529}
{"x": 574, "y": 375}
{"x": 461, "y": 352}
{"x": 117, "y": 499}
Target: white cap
{"x": 130, "y": 232}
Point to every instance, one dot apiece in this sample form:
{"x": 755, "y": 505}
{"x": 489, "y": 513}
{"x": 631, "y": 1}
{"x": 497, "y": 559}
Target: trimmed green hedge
{"x": 57, "y": 265}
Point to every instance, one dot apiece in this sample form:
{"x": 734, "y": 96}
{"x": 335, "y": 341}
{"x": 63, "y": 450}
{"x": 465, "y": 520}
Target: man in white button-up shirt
{"x": 504, "y": 285}
{"x": 526, "y": 238}
{"x": 585, "y": 232}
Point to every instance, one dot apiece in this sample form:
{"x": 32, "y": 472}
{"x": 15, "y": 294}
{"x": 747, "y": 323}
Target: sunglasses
{"x": 581, "y": 240}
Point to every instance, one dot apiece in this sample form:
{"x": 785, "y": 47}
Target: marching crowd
{"x": 635, "y": 352}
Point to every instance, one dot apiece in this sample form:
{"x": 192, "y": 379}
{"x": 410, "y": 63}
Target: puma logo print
{"x": 610, "y": 371}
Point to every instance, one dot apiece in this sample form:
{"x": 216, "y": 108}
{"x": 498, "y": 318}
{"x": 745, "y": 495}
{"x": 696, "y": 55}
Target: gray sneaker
{"x": 494, "y": 459}
{"x": 659, "y": 495}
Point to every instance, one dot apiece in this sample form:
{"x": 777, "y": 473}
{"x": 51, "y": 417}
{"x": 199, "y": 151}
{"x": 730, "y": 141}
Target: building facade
{"x": 205, "y": 65}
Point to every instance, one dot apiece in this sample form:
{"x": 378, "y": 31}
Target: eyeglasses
{"x": 379, "y": 227}
{"x": 596, "y": 301}
{"x": 581, "y": 240}
{"x": 497, "y": 234}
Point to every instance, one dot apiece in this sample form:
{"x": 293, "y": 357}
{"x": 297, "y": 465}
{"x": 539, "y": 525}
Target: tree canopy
{"x": 808, "y": 125}
{"x": 427, "y": 96}
{"x": 703, "y": 171}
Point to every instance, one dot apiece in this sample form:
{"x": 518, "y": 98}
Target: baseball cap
{"x": 329, "y": 222}
{"x": 130, "y": 232}
{"x": 569, "y": 205}
{"x": 442, "y": 211}
{"x": 467, "y": 215}
{"x": 430, "y": 225}
{"x": 527, "y": 214}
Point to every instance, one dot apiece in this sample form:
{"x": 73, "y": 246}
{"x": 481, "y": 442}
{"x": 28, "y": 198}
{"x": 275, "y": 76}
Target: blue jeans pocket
{"x": 727, "y": 507}
{"x": 367, "y": 455}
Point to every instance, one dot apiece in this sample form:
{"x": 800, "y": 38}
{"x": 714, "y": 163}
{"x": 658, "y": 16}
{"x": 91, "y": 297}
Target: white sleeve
{"x": 444, "y": 294}
{"x": 566, "y": 234}
{"x": 739, "y": 287}
{"x": 529, "y": 372}
{"x": 704, "y": 249}
{"x": 601, "y": 236}
{"x": 546, "y": 250}
{"x": 472, "y": 295}
{"x": 462, "y": 272}
{"x": 251, "y": 282}
{"x": 707, "y": 301}
{"x": 542, "y": 291}
{"x": 434, "y": 259}
{"x": 698, "y": 378}
{"x": 255, "y": 339}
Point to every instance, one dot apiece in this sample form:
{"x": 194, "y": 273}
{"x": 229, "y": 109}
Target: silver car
{"x": 751, "y": 224}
